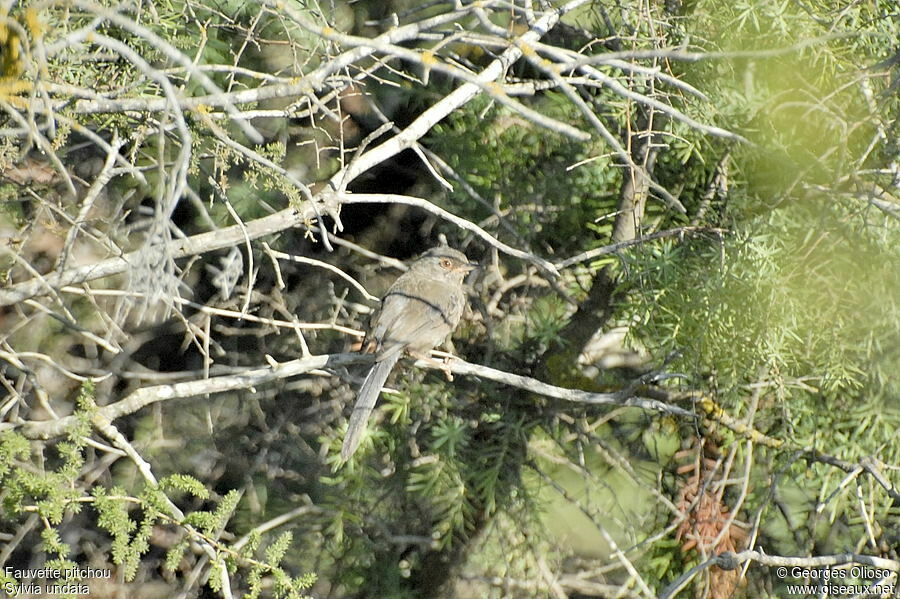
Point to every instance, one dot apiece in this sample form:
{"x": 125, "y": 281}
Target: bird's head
{"x": 445, "y": 262}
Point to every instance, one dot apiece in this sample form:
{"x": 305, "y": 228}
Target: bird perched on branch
{"x": 419, "y": 311}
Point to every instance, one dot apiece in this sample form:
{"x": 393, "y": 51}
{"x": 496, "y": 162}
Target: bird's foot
{"x": 443, "y": 364}
{"x": 445, "y": 368}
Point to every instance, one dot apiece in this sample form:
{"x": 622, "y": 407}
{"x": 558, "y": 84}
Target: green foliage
{"x": 224, "y": 511}
{"x": 466, "y": 474}
{"x": 52, "y": 543}
{"x": 798, "y": 301}
{"x": 184, "y": 484}
{"x": 546, "y": 317}
{"x": 284, "y": 585}
{"x": 275, "y": 552}
{"x": 113, "y": 516}
{"x": 440, "y": 482}
{"x": 130, "y": 538}
{"x": 526, "y": 171}
{"x": 812, "y": 304}
{"x": 450, "y": 436}
{"x": 803, "y": 286}
{"x": 52, "y": 492}
{"x": 175, "y": 554}
{"x": 13, "y": 447}
{"x": 216, "y": 570}
{"x": 128, "y": 519}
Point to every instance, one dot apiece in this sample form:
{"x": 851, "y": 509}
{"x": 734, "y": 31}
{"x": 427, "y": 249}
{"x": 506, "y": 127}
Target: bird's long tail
{"x": 365, "y": 403}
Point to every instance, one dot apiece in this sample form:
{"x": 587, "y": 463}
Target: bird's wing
{"x": 418, "y": 314}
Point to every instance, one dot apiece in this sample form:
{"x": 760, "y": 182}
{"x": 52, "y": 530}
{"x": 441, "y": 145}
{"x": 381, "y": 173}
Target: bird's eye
{"x": 446, "y": 263}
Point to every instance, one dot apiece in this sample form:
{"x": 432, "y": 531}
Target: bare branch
{"x": 254, "y": 377}
{"x": 384, "y": 198}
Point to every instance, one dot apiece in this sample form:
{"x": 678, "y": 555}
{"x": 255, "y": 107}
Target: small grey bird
{"x": 419, "y": 311}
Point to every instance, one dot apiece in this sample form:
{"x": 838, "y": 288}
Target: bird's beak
{"x": 469, "y": 267}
